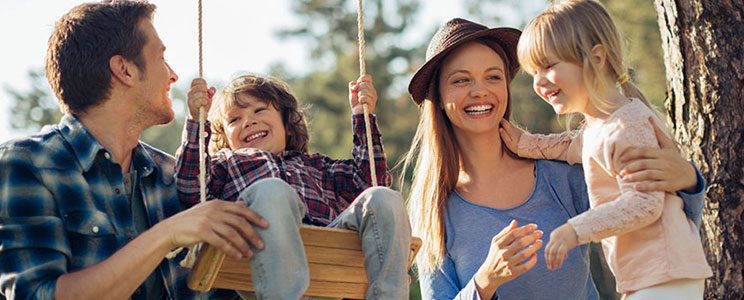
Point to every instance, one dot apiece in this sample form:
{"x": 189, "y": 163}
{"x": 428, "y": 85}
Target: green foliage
{"x": 332, "y": 31}
{"x": 33, "y": 109}
{"x": 639, "y": 27}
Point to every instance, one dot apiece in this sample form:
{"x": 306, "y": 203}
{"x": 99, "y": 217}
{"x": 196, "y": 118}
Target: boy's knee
{"x": 265, "y": 189}
{"x": 273, "y": 198}
{"x": 268, "y": 186}
{"x": 383, "y": 200}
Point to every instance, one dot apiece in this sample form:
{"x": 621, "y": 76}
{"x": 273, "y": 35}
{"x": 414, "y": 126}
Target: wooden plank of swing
{"x": 335, "y": 262}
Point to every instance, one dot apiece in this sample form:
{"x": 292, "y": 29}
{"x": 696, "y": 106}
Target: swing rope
{"x": 190, "y": 258}
{"x": 202, "y": 121}
{"x": 362, "y": 71}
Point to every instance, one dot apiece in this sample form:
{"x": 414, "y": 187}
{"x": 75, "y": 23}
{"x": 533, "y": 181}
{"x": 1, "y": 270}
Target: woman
{"x": 467, "y": 186}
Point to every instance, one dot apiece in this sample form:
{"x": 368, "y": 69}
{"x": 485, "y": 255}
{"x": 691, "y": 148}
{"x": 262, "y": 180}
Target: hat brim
{"x": 504, "y": 36}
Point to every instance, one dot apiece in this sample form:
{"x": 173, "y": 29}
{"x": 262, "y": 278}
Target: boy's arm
{"x": 187, "y": 166}
{"x": 632, "y": 209}
{"x": 361, "y": 155}
{"x": 347, "y": 178}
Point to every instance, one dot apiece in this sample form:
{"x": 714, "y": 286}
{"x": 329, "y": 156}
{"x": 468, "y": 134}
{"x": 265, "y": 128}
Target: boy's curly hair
{"x": 269, "y": 89}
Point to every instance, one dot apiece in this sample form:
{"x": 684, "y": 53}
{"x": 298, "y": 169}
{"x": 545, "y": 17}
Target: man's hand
{"x": 225, "y": 225}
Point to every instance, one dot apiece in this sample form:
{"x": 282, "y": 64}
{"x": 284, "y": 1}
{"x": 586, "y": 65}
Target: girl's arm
{"x": 664, "y": 169}
{"x": 632, "y": 209}
{"x": 564, "y": 146}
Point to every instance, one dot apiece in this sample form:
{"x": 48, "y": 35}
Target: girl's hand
{"x": 199, "y": 95}
{"x": 360, "y": 92}
{"x": 658, "y": 169}
{"x": 510, "y": 134}
{"x": 562, "y": 239}
{"x": 512, "y": 253}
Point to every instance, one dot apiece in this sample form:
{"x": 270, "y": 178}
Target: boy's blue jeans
{"x": 280, "y": 271}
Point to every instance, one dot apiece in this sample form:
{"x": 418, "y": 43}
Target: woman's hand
{"x": 562, "y": 239}
{"x": 199, "y": 95}
{"x": 658, "y": 169}
{"x": 512, "y": 253}
{"x": 510, "y": 134}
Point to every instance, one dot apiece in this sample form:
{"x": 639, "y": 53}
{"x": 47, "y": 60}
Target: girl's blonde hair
{"x": 571, "y": 29}
{"x": 437, "y": 167}
{"x": 268, "y": 89}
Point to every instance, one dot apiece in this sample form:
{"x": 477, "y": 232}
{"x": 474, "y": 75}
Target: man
{"x": 87, "y": 210}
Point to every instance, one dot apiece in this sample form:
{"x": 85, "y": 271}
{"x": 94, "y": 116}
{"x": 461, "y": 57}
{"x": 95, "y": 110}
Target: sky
{"x": 238, "y": 35}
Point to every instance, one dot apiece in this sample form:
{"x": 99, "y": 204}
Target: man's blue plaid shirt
{"x": 63, "y": 208}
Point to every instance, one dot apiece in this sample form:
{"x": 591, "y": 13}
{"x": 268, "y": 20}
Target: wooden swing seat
{"x": 334, "y": 256}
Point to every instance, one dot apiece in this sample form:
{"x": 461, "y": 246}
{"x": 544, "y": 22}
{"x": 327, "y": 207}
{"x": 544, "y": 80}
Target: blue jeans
{"x": 380, "y": 217}
{"x": 280, "y": 271}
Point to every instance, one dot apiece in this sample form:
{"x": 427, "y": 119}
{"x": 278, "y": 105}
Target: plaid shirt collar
{"x": 85, "y": 147}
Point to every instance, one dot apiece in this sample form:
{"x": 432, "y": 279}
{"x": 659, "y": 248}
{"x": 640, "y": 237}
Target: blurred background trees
{"x": 331, "y": 35}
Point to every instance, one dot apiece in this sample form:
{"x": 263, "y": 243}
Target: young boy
{"x": 258, "y": 150}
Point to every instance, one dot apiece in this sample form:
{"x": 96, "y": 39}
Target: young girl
{"x": 574, "y": 53}
{"x": 259, "y": 155}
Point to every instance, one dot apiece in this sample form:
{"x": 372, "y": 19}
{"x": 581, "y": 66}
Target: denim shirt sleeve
{"x": 443, "y": 284}
{"x": 695, "y": 202}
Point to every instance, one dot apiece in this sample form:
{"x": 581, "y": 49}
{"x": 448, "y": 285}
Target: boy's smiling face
{"x": 255, "y": 123}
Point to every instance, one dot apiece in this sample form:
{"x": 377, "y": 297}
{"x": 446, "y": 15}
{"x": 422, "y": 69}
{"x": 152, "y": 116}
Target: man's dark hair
{"x": 83, "y": 42}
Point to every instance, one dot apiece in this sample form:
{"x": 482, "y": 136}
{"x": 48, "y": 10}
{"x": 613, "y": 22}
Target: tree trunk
{"x": 703, "y": 43}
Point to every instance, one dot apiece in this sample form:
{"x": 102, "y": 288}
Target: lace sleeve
{"x": 631, "y": 209}
{"x": 564, "y": 146}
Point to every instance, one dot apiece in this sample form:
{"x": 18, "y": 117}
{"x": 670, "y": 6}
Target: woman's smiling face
{"x": 473, "y": 88}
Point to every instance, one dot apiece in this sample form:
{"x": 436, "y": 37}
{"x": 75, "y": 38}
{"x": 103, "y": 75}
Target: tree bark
{"x": 703, "y": 43}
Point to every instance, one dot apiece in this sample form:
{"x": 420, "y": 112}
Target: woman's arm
{"x": 512, "y": 253}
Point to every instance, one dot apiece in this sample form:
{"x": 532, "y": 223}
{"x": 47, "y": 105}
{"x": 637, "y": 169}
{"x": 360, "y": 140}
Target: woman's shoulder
{"x": 549, "y": 168}
{"x": 559, "y": 175}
